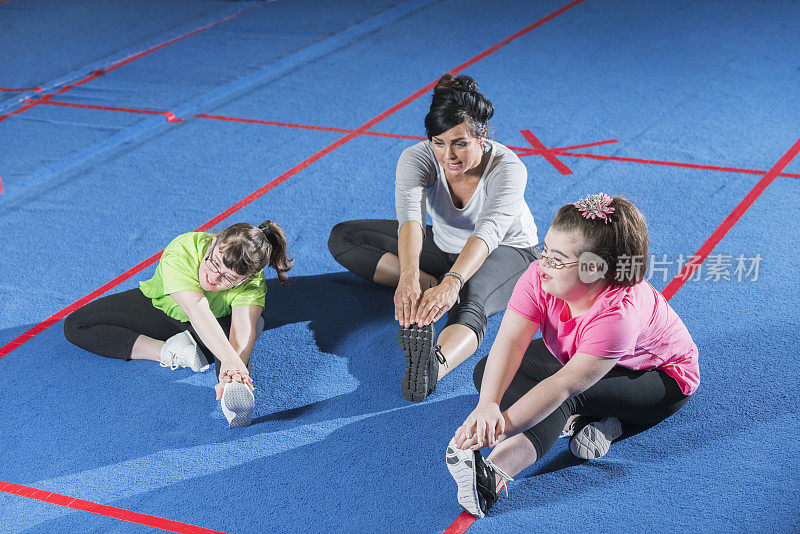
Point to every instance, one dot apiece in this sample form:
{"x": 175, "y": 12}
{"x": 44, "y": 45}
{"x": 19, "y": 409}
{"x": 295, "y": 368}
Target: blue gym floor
{"x": 116, "y": 135}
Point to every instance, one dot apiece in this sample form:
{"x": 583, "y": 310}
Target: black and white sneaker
{"x": 422, "y": 361}
{"x": 475, "y": 477}
{"x": 592, "y": 437}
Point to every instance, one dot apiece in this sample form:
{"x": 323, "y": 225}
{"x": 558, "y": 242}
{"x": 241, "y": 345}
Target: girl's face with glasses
{"x": 214, "y": 275}
{"x": 558, "y": 264}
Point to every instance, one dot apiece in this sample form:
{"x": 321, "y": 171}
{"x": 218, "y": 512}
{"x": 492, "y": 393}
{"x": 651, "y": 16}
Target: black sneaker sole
{"x": 417, "y": 345}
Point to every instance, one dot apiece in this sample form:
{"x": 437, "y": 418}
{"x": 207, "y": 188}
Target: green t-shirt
{"x": 178, "y": 271}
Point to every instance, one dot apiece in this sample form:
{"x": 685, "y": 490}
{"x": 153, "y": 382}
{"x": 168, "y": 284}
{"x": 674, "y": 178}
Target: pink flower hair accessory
{"x": 595, "y": 207}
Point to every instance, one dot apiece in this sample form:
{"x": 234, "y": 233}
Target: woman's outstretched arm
{"x": 440, "y": 298}
{"x": 408, "y": 290}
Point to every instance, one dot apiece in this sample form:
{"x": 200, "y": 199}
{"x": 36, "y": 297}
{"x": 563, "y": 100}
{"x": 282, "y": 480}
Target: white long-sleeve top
{"x": 496, "y": 212}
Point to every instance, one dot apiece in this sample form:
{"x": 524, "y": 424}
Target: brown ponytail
{"x": 278, "y": 259}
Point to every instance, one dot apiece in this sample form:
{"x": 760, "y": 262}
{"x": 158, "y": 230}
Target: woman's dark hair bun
{"x": 456, "y": 99}
{"x": 458, "y": 83}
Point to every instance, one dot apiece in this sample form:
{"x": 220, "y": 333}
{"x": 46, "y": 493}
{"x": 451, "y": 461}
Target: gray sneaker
{"x": 181, "y": 350}
{"x": 592, "y": 437}
{"x": 237, "y": 404}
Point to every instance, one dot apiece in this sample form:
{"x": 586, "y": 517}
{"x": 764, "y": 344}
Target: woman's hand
{"x": 233, "y": 371}
{"x": 436, "y": 301}
{"x": 484, "y": 427}
{"x": 406, "y": 298}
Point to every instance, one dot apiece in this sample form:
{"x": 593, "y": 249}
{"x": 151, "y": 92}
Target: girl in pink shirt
{"x": 613, "y": 353}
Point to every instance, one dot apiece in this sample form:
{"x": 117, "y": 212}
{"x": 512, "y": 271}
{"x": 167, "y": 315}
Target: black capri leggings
{"x": 637, "y": 398}
{"x": 110, "y": 325}
{"x": 359, "y": 245}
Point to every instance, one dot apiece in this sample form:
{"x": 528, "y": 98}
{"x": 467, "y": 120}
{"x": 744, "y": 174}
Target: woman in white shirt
{"x": 468, "y": 260}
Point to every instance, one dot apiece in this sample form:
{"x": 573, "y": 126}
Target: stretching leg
{"x": 485, "y": 294}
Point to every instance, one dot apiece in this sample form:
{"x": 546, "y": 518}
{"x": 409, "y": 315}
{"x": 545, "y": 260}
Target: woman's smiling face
{"x": 457, "y": 150}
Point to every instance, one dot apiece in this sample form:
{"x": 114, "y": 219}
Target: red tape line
{"x": 676, "y": 283}
{"x": 558, "y": 149}
{"x": 9, "y": 90}
{"x": 670, "y": 163}
{"x": 44, "y": 325}
{"x": 105, "y": 510}
{"x": 122, "y": 62}
{"x": 168, "y": 114}
{"x": 521, "y": 151}
{"x": 305, "y": 126}
{"x": 461, "y": 524}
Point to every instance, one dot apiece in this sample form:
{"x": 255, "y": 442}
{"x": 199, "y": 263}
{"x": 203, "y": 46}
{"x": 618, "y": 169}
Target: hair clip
{"x": 595, "y": 207}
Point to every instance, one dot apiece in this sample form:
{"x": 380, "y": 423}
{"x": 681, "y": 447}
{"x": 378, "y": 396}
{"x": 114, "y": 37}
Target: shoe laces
{"x": 504, "y": 477}
{"x": 437, "y": 350}
{"x": 568, "y": 432}
{"x": 172, "y": 365}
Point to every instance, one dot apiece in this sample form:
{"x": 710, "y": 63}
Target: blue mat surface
{"x": 90, "y": 193}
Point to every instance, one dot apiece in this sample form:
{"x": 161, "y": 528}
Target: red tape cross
{"x": 547, "y": 153}
{"x": 105, "y": 510}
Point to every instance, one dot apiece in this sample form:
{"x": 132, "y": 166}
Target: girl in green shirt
{"x": 202, "y": 305}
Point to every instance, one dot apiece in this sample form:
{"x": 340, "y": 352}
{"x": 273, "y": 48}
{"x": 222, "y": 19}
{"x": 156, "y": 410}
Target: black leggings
{"x": 110, "y": 325}
{"x": 359, "y": 245}
{"x": 637, "y": 398}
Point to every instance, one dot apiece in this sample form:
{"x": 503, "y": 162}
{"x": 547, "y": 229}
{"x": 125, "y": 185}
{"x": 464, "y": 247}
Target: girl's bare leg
{"x": 147, "y": 348}
{"x": 513, "y": 455}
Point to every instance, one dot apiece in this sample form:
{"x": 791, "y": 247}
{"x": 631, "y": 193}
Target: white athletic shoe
{"x": 592, "y": 439}
{"x": 237, "y": 404}
{"x": 181, "y": 350}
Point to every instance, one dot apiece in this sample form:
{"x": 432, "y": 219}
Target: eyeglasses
{"x": 227, "y": 281}
{"x": 552, "y": 262}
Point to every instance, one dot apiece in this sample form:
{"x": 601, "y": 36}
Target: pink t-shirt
{"x": 634, "y": 324}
